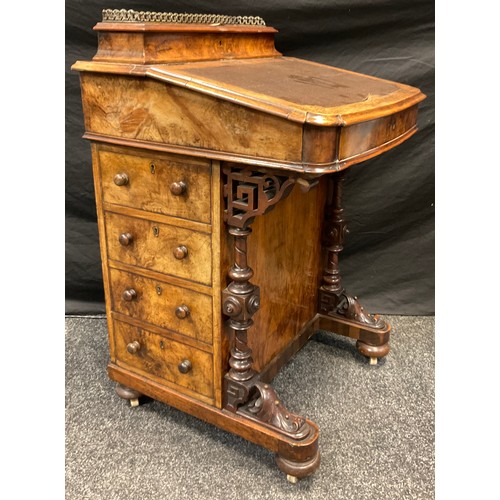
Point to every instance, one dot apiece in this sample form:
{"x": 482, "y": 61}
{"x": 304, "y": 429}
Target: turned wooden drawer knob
{"x": 178, "y": 188}
{"x": 180, "y": 252}
{"x": 185, "y": 366}
{"x": 182, "y": 312}
{"x": 129, "y": 295}
{"x": 125, "y": 239}
{"x": 120, "y": 179}
{"x": 133, "y": 347}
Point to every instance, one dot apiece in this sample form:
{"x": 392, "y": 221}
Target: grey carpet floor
{"x": 376, "y": 427}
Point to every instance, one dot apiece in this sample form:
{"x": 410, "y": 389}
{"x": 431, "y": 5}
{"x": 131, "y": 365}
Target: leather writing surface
{"x": 292, "y": 80}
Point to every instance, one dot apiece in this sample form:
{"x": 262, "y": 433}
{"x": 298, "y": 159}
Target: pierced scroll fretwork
{"x": 249, "y": 194}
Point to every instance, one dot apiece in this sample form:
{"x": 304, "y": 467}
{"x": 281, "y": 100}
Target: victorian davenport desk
{"x": 198, "y": 128}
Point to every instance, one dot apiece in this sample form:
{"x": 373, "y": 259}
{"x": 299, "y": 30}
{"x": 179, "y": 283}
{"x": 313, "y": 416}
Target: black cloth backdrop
{"x": 388, "y": 260}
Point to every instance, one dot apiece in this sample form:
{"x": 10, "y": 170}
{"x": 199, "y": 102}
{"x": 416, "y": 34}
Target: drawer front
{"x": 149, "y": 353}
{"x": 167, "y": 306}
{"x": 177, "y": 187}
{"x": 159, "y": 247}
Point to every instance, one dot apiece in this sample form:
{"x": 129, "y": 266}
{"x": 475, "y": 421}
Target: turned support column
{"x": 240, "y": 301}
{"x": 370, "y": 331}
{"x": 249, "y": 194}
{"x": 334, "y": 233}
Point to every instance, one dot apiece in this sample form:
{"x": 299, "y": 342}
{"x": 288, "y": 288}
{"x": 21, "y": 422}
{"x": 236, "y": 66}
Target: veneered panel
{"x": 149, "y": 110}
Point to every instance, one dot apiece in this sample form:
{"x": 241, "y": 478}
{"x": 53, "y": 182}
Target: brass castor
{"x": 134, "y": 402}
{"x": 292, "y": 479}
{"x": 373, "y": 361}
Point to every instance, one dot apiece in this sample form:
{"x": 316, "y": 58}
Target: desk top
{"x": 299, "y": 90}
{"x": 221, "y": 57}
{"x": 231, "y": 95}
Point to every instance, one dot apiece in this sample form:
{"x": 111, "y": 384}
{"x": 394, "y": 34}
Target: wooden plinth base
{"x": 298, "y": 458}
{"x": 372, "y": 343}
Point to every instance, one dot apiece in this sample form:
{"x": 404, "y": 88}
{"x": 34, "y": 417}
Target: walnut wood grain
{"x": 219, "y": 339}
{"x": 320, "y": 145}
{"x": 155, "y": 275}
{"x": 151, "y": 177}
{"x": 193, "y": 225}
{"x": 160, "y": 357}
{"x": 362, "y": 138}
{"x": 154, "y": 245}
{"x": 315, "y": 146}
{"x": 149, "y": 110}
{"x": 157, "y": 302}
{"x": 169, "y": 334}
{"x": 273, "y": 367}
{"x": 283, "y": 250}
{"x": 148, "y": 43}
{"x": 96, "y": 171}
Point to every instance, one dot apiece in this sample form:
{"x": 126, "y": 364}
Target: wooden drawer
{"x": 152, "y": 246}
{"x": 151, "y": 354}
{"x": 173, "y": 185}
{"x": 165, "y": 305}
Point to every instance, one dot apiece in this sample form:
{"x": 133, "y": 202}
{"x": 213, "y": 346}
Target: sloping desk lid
{"x": 295, "y": 89}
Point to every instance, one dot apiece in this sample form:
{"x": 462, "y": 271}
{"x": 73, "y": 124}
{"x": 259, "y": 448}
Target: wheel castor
{"x": 292, "y": 479}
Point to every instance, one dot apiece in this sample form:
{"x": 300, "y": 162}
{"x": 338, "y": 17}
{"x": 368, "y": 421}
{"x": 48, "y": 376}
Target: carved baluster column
{"x": 372, "y": 333}
{"x": 333, "y": 237}
{"x": 249, "y": 194}
{"x": 241, "y": 300}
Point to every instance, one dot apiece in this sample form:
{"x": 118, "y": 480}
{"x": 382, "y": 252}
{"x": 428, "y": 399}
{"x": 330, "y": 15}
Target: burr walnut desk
{"x": 198, "y": 128}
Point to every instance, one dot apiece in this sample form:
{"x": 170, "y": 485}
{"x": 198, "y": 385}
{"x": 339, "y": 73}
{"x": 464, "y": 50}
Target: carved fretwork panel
{"x": 327, "y": 302}
{"x": 249, "y": 194}
{"x": 235, "y": 393}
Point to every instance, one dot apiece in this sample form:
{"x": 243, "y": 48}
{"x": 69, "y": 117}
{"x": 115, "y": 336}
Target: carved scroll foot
{"x": 346, "y": 316}
{"x": 265, "y": 408}
{"x": 292, "y": 437}
{"x": 350, "y": 307}
{"x": 127, "y": 393}
{"x": 347, "y": 306}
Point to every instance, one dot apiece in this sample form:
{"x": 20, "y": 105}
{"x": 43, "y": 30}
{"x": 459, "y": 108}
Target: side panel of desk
{"x": 284, "y": 251}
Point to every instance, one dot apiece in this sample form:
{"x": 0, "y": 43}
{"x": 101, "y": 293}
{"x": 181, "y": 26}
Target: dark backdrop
{"x": 388, "y": 259}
